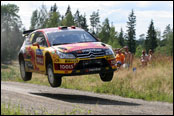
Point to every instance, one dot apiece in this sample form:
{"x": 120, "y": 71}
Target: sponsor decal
{"x": 69, "y": 66}
{"x": 89, "y": 50}
{"x": 31, "y": 53}
{"x": 39, "y": 57}
{"x": 66, "y": 66}
{"x": 71, "y": 61}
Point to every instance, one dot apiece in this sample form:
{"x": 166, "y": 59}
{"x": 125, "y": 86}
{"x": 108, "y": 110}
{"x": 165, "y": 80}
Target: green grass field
{"x": 9, "y": 109}
{"x": 152, "y": 83}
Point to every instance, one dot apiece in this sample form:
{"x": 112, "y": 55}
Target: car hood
{"x": 80, "y": 46}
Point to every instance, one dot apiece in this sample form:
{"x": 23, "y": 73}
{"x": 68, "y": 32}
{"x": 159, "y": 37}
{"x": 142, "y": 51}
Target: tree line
{"x": 11, "y": 32}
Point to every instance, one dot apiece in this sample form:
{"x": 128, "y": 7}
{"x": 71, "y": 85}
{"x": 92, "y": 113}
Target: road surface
{"x": 41, "y": 99}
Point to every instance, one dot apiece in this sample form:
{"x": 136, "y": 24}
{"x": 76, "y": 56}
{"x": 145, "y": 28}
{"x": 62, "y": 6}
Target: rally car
{"x": 65, "y": 51}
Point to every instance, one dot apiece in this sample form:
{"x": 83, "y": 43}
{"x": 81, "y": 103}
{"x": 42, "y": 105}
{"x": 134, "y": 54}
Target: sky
{"x": 161, "y": 12}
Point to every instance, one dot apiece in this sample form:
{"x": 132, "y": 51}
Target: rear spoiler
{"x": 26, "y": 33}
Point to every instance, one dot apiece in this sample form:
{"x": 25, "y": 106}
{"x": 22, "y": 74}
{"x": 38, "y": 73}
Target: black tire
{"x": 26, "y": 76}
{"x": 54, "y": 80}
{"x": 106, "y": 76}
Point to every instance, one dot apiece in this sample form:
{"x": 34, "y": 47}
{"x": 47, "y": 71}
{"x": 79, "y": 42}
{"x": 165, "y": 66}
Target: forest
{"x": 12, "y": 28}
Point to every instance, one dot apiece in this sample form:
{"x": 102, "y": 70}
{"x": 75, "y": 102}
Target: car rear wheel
{"x": 106, "y": 76}
{"x": 54, "y": 80}
{"x": 26, "y": 76}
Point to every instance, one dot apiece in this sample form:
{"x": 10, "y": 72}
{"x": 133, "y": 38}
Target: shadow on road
{"x": 84, "y": 99}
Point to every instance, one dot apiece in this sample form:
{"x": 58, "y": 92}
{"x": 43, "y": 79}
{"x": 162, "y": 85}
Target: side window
{"x": 40, "y": 39}
{"x": 29, "y": 39}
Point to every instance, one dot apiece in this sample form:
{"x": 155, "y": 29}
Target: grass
{"x": 9, "y": 109}
{"x": 153, "y": 82}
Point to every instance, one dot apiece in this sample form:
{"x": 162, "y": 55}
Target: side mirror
{"x": 36, "y": 44}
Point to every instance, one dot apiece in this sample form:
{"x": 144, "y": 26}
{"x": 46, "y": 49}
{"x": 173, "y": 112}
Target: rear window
{"x": 68, "y": 37}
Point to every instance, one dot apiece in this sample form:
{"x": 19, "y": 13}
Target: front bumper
{"x": 86, "y": 71}
{"x": 87, "y": 66}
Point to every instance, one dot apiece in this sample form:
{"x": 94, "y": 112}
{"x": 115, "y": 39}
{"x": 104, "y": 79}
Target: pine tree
{"x": 34, "y": 20}
{"x": 113, "y": 39}
{"x": 151, "y": 38}
{"x": 84, "y": 22}
{"x": 95, "y": 20}
{"x": 104, "y": 35}
{"x": 43, "y": 17}
{"x": 131, "y": 32}
{"x": 168, "y": 39}
{"x": 68, "y": 10}
{"x": 77, "y": 19}
{"x": 69, "y": 19}
{"x": 54, "y": 17}
{"x": 121, "y": 38}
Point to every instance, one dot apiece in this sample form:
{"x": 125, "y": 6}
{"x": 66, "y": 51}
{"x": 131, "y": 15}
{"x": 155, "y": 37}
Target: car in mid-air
{"x": 65, "y": 51}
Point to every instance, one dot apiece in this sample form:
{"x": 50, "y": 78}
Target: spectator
{"x": 120, "y": 58}
{"x": 144, "y": 58}
{"x": 150, "y": 55}
{"x": 128, "y": 57}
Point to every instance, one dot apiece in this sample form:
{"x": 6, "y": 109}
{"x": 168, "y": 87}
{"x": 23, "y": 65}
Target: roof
{"x": 61, "y": 28}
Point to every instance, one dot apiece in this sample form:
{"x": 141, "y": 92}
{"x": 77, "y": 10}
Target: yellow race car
{"x": 65, "y": 51}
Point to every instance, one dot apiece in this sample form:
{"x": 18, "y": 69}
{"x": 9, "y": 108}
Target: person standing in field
{"x": 150, "y": 56}
{"x": 120, "y": 58}
{"x": 128, "y": 57}
{"x": 144, "y": 58}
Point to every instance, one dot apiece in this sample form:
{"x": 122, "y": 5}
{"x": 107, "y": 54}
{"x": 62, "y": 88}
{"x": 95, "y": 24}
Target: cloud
{"x": 143, "y": 3}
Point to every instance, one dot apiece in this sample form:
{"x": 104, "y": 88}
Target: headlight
{"x": 109, "y": 52}
{"x": 65, "y": 55}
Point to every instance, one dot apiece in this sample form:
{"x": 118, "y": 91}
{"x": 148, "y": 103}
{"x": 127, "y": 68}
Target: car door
{"x": 38, "y": 46}
{"x": 29, "y": 53}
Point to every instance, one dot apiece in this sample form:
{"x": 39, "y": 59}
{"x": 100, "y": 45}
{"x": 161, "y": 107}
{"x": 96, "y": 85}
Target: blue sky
{"x": 117, "y": 11}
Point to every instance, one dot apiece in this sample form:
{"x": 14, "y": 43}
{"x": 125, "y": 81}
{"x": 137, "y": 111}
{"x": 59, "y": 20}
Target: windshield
{"x": 68, "y": 37}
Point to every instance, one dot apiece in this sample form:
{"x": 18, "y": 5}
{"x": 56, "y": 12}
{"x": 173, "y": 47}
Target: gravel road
{"x": 67, "y": 101}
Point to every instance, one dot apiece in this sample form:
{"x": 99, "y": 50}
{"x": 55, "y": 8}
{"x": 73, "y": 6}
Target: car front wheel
{"x": 54, "y": 80}
{"x": 106, "y": 76}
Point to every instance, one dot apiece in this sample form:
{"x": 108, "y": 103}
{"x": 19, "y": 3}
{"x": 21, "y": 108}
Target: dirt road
{"x": 66, "y": 101}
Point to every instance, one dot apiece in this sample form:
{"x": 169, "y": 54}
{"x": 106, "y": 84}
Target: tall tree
{"x": 34, "y": 19}
{"x": 104, "y": 35}
{"x": 95, "y": 20}
{"x": 43, "y": 17}
{"x": 131, "y": 32}
{"x": 68, "y": 10}
{"x": 84, "y": 23}
{"x": 77, "y": 19}
{"x": 68, "y": 19}
{"x": 121, "y": 38}
{"x": 39, "y": 18}
{"x": 54, "y": 17}
{"x": 11, "y": 35}
{"x": 113, "y": 39}
{"x": 166, "y": 31}
{"x": 151, "y": 38}
{"x": 80, "y": 20}
{"x": 168, "y": 39}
